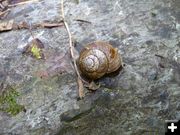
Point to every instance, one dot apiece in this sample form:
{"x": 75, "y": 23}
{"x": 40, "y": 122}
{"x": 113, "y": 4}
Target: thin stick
{"x": 22, "y": 3}
{"x": 80, "y": 84}
{"x": 1, "y": 6}
{"x": 4, "y": 13}
{"x": 81, "y": 20}
{"x": 157, "y": 55}
{"x": 30, "y": 30}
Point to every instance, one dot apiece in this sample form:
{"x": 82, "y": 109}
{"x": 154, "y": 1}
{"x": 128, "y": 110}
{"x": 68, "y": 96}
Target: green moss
{"x": 36, "y": 52}
{"x": 8, "y": 102}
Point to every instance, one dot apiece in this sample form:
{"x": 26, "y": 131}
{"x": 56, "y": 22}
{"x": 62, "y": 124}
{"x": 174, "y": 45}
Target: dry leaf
{"x": 93, "y": 86}
{"x": 6, "y": 26}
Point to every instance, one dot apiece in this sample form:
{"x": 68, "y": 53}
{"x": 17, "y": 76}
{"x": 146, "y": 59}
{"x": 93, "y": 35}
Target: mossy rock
{"x": 8, "y": 101}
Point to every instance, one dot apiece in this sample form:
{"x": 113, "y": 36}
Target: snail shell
{"x": 99, "y": 58}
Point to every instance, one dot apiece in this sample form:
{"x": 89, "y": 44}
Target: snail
{"x": 99, "y": 58}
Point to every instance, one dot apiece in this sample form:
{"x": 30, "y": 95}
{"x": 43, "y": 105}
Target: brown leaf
{"x": 38, "y": 43}
{"x": 93, "y": 86}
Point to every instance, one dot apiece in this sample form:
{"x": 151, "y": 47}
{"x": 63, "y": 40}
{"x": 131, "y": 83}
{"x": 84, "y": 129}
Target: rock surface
{"x": 135, "y": 102}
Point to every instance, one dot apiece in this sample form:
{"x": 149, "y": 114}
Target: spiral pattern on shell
{"x": 97, "y": 59}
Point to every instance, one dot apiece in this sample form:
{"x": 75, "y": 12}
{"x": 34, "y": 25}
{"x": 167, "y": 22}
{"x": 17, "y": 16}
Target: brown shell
{"x": 99, "y": 58}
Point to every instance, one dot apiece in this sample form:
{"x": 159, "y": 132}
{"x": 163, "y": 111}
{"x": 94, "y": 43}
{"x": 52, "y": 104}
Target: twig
{"x": 4, "y": 13}
{"x": 157, "y": 55}
{"x": 50, "y": 25}
{"x": 30, "y": 30}
{"x": 84, "y": 21}
{"x": 79, "y": 80}
{"x": 22, "y": 3}
{"x": 7, "y": 26}
{"x": 1, "y": 6}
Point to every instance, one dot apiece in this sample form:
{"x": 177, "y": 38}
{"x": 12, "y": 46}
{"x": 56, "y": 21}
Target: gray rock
{"x": 136, "y": 101}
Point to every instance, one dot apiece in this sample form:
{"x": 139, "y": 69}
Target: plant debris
{"x": 93, "y": 86}
{"x": 14, "y": 3}
{"x": 35, "y": 49}
{"x": 79, "y": 79}
{"x": 4, "y": 10}
{"x": 5, "y": 6}
{"x": 81, "y": 88}
{"x": 49, "y": 25}
{"x": 6, "y": 26}
{"x": 8, "y": 101}
{"x": 11, "y": 25}
{"x": 83, "y": 21}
